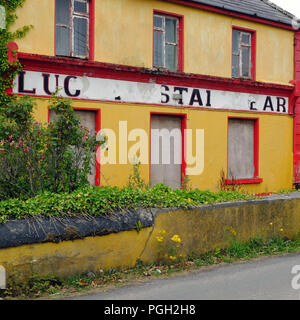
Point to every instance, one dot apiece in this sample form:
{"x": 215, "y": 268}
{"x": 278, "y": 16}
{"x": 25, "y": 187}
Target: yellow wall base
{"x": 200, "y": 230}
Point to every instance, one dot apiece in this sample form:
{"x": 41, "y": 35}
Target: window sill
{"x": 243, "y": 78}
{"x": 72, "y": 57}
{"x": 244, "y": 181}
{"x": 162, "y": 69}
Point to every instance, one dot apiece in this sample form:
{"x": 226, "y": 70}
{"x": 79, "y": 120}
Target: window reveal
{"x": 242, "y": 54}
{"x": 166, "y": 40}
{"x": 72, "y": 25}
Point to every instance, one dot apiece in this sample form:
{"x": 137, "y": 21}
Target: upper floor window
{"x": 72, "y": 28}
{"x": 243, "y": 54}
{"x": 166, "y": 50}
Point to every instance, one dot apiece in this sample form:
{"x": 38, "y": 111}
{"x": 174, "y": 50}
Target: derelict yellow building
{"x": 217, "y": 79}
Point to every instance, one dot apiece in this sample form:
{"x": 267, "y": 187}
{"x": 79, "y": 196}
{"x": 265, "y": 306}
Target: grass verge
{"x": 50, "y": 287}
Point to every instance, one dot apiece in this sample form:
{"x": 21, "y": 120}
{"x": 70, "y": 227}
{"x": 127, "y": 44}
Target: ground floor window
{"x": 90, "y": 119}
{"x": 242, "y": 149}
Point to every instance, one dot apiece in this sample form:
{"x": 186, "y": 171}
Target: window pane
{"x": 63, "y": 12}
{"x": 236, "y": 40}
{"x": 241, "y": 149}
{"x": 158, "y": 22}
{"x": 246, "y": 38}
{"x": 80, "y": 7}
{"x": 62, "y": 41}
{"x": 80, "y": 37}
{"x": 158, "y": 49}
{"x": 171, "y": 32}
{"x": 246, "y": 62}
{"x": 235, "y": 66}
{"x": 171, "y": 57}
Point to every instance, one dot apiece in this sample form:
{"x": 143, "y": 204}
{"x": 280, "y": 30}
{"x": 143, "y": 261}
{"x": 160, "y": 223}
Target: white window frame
{"x": 72, "y": 16}
{"x": 165, "y": 42}
{"x": 240, "y": 55}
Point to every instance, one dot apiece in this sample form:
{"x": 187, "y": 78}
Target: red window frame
{"x": 253, "y": 51}
{"x": 180, "y": 63}
{"x": 255, "y": 179}
{"x": 91, "y": 36}
{"x": 97, "y": 129}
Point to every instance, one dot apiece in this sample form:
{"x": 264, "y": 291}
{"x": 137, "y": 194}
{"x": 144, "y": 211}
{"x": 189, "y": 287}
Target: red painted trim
{"x": 256, "y": 148}
{"x": 91, "y": 30}
{"x": 180, "y": 37}
{"x": 295, "y": 108}
{"x": 12, "y": 52}
{"x": 256, "y": 178}
{"x": 253, "y": 49}
{"x": 232, "y": 14}
{"x": 244, "y": 181}
{"x": 54, "y": 54}
{"x": 183, "y": 146}
{"x": 97, "y": 129}
{"x": 61, "y": 65}
{"x": 265, "y": 194}
{"x": 12, "y": 56}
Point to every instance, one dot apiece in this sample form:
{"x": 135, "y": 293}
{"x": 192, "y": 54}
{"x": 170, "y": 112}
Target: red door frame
{"x": 97, "y": 129}
{"x": 183, "y": 117}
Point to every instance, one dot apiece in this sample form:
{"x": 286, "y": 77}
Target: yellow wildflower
{"x": 172, "y": 258}
{"x": 189, "y": 200}
{"x": 281, "y": 230}
{"x": 160, "y": 239}
{"x": 176, "y": 238}
{"x": 271, "y": 223}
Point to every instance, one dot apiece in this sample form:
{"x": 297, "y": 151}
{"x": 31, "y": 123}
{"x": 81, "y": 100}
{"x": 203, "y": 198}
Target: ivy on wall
{"x": 8, "y": 70}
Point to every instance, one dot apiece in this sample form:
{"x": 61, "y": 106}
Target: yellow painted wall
{"x": 275, "y": 142}
{"x": 39, "y": 14}
{"x": 123, "y": 35}
{"x": 200, "y": 230}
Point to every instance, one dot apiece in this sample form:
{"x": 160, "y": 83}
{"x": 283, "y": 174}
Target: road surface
{"x": 265, "y": 279}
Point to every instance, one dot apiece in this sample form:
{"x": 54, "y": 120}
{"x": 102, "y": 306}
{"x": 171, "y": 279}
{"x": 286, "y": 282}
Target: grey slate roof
{"x": 257, "y": 8}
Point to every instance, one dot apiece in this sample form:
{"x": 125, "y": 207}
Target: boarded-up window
{"x": 72, "y": 25}
{"x": 241, "y": 149}
{"x": 241, "y": 54}
{"x": 166, "y": 42}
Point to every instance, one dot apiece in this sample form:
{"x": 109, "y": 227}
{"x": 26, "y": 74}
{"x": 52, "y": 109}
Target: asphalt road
{"x": 265, "y": 279}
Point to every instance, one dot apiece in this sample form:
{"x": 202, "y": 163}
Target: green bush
{"x": 98, "y": 201}
{"x": 35, "y": 158}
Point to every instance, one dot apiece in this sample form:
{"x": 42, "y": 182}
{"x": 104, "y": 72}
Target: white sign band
{"x": 89, "y": 88}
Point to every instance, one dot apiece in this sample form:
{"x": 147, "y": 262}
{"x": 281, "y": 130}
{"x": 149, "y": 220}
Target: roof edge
{"x": 223, "y": 9}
